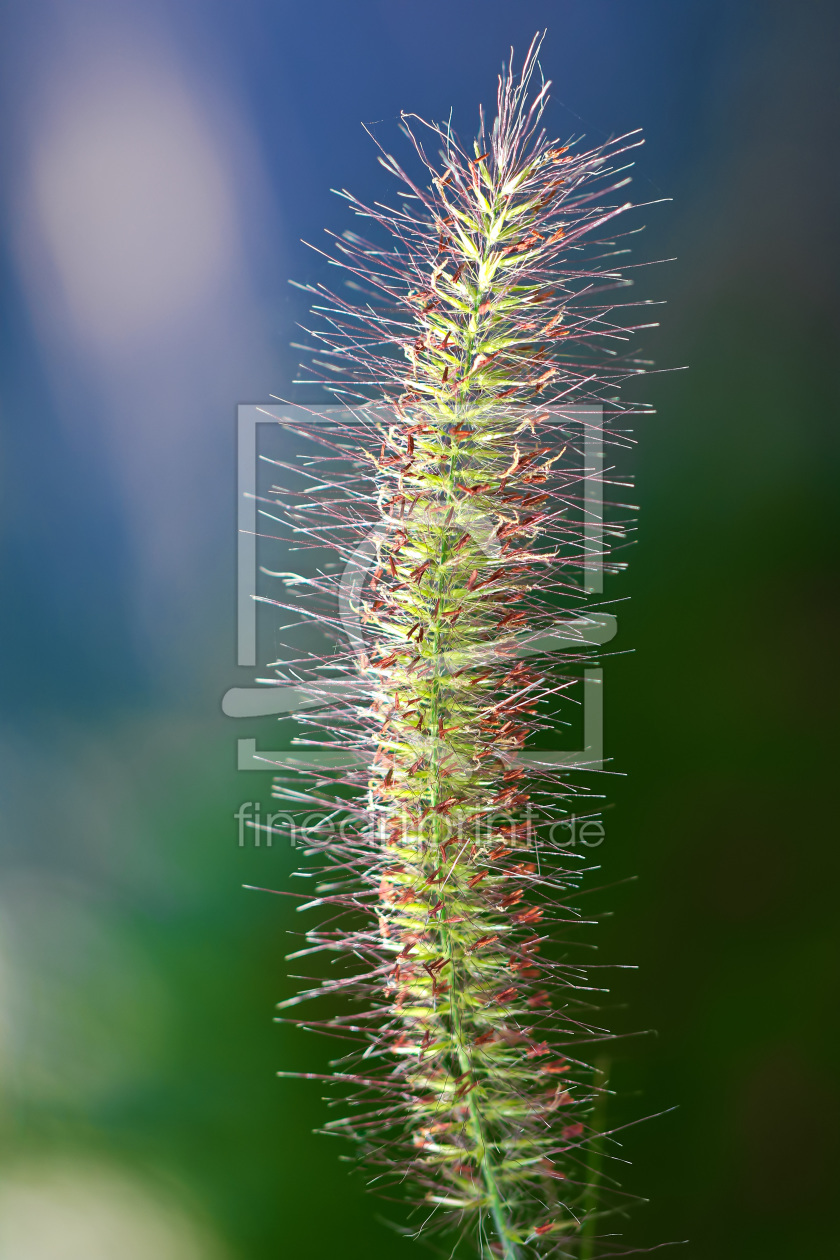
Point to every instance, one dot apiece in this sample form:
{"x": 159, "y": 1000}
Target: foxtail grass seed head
{"x": 451, "y": 486}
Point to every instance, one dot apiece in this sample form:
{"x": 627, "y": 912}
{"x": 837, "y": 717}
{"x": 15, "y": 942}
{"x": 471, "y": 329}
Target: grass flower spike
{"x": 452, "y": 488}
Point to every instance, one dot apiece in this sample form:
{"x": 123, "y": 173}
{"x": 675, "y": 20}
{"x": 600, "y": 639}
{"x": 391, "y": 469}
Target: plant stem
{"x": 590, "y": 1202}
{"x": 488, "y": 1172}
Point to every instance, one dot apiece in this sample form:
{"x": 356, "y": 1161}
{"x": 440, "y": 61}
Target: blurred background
{"x": 161, "y": 160}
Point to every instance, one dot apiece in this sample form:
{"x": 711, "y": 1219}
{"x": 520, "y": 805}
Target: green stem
{"x": 483, "y": 1156}
{"x": 462, "y": 1048}
{"x": 488, "y": 1172}
{"x": 590, "y": 1201}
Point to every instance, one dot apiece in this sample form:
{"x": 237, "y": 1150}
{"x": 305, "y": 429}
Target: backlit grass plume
{"x": 452, "y": 488}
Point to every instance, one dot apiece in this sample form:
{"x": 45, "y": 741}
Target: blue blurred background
{"x": 160, "y": 163}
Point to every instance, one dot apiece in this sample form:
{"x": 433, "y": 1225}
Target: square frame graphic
{"x": 253, "y": 702}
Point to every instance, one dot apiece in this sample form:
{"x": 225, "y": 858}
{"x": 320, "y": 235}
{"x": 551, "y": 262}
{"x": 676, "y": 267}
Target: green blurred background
{"x": 161, "y": 162}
